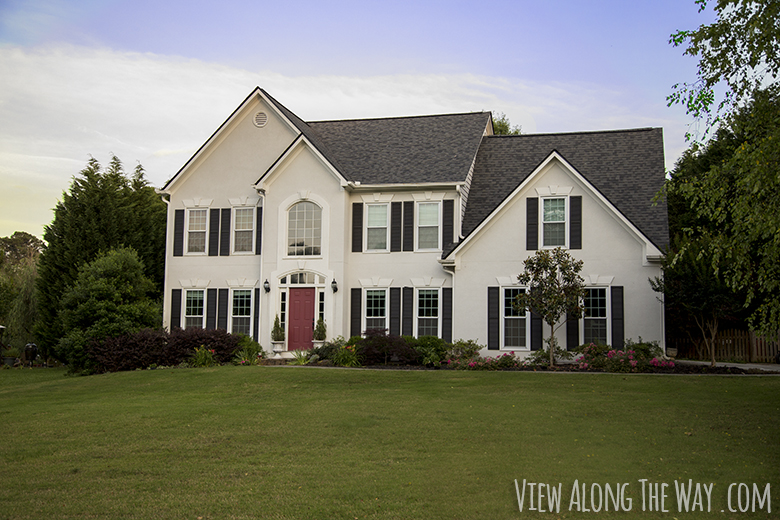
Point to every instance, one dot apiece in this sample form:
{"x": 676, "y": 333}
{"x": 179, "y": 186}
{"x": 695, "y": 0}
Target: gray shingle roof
{"x": 402, "y": 150}
{"x": 626, "y": 166}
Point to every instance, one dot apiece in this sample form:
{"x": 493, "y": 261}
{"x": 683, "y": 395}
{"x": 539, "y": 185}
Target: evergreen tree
{"x": 103, "y": 209}
{"x": 111, "y": 297}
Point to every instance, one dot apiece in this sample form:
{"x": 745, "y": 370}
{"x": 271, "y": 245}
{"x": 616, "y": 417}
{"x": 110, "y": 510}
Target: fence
{"x": 730, "y": 345}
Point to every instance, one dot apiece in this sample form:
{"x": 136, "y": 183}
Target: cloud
{"x": 61, "y": 103}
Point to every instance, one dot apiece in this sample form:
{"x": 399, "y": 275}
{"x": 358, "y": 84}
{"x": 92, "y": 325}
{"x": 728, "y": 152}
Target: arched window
{"x": 304, "y": 229}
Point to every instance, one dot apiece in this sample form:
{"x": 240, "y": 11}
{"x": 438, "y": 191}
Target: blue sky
{"x": 150, "y": 80}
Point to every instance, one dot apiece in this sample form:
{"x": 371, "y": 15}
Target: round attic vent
{"x": 261, "y": 119}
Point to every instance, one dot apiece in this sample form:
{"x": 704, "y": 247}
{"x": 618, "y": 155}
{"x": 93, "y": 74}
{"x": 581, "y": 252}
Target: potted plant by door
{"x": 320, "y": 331}
{"x": 277, "y": 337}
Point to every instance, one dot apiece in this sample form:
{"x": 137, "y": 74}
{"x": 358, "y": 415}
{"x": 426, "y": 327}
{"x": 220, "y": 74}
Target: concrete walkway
{"x": 766, "y": 367}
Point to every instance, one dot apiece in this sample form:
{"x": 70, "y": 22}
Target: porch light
{"x": 334, "y": 286}
{"x": 267, "y": 286}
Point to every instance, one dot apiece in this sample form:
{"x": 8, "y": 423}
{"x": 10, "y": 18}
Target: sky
{"x": 150, "y": 81}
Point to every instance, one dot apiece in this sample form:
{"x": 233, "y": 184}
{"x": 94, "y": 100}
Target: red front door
{"x": 301, "y": 323}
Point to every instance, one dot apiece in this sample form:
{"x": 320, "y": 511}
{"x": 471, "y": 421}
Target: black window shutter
{"x": 178, "y": 233}
{"x": 355, "y": 310}
{"x": 532, "y": 223}
{"x": 446, "y": 314}
{"x": 572, "y": 332}
{"x": 408, "y": 239}
{"x": 494, "y": 318}
{"x": 357, "y": 227}
{"x": 575, "y": 222}
{"x": 448, "y": 226}
{"x": 222, "y": 314}
{"x": 396, "y": 223}
{"x": 408, "y": 312}
{"x": 175, "y": 309}
{"x": 618, "y": 329}
{"x": 211, "y": 309}
{"x": 214, "y": 232}
{"x": 537, "y": 338}
{"x": 395, "y": 310}
{"x": 259, "y": 232}
{"x": 224, "y": 233}
{"x": 256, "y": 315}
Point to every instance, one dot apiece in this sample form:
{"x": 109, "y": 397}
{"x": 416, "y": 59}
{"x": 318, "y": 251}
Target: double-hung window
{"x": 427, "y": 312}
{"x": 428, "y": 225}
{"x": 515, "y": 321}
{"x": 196, "y": 230}
{"x": 243, "y": 230}
{"x": 304, "y": 229}
{"x": 595, "y": 321}
{"x": 241, "y": 311}
{"x": 376, "y": 309}
{"x": 376, "y": 227}
{"x": 193, "y": 309}
{"x": 554, "y": 222}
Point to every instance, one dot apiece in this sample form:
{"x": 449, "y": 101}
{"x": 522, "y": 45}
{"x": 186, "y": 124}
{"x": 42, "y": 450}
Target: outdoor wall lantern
{"x": 267, "y": 286}
{"x": 334, "y": 286}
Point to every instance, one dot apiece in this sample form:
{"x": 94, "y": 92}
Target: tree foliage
{"x": 736, "y": 201}
{"x": 741, "y": 50}
{"x": 555, "y": 288}
{"x": 693, "y": 291}
{"x": 18, "y": 298}
{"x": 104, "y": 209}
{"x": 110, "y": 297}
{"x": 502, "y": 126}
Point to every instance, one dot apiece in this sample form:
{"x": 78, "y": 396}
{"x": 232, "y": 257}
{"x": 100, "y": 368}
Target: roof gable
{"x": 410, "y": 150}
{"x": 625, "y": 166}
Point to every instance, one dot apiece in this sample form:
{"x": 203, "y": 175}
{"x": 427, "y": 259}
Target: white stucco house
{"x": 418, "y": 225}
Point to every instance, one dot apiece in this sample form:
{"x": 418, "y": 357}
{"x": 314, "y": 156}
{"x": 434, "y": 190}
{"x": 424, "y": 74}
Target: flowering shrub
{"x": 662, "y": 363}
{"x": 636, "y": 357}
{"x": 504, "y": 362}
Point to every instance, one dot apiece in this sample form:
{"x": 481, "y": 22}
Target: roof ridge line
{"x": 581, "y": 132}
{"x": 394, "y": 117}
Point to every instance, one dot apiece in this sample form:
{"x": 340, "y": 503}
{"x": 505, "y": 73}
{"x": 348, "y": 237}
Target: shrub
{"x": 636, "y": 357}
{"x": 277, "y": 333}
{"x": 139, "y": 350}
{"x": 320, "y": 331}
{"x": 380, "y": 348}
{"x": 346, "y": 356}
{"x": 328, "y": 349}
{"x": 182, "y": 342}
{"x": 464, "y": 349}
{"x": 432, "y": 350}
{"x": 504, "y": 362}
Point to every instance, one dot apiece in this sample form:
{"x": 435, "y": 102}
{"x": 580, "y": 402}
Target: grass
{"x": 299, "y": 442}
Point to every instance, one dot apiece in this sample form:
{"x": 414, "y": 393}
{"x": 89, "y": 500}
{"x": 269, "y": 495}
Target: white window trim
{"x": 205, "y": 232}
{"x": 565, "y": 222}
{"x": 184, "y": 308}
{"x": 251, "y": 309}
{"x": 527, "y": 318}
{"x": 364, "y": 320}
{"x": 417, "y": 226}
{"x": 608, "y": 293}
{"x": 366, "y": 227}
{"x": 233, "y": 230}
{"x": 417, "y": 309}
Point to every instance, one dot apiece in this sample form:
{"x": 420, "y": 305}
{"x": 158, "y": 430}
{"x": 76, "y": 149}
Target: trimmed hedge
{"x": 158, "y": 347}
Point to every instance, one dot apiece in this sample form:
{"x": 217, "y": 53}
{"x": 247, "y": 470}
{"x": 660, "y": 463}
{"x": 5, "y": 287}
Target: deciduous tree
{"x": 554, "y": 289}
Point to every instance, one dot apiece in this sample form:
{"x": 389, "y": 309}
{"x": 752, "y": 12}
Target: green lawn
{"x": 299, "y": 442}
